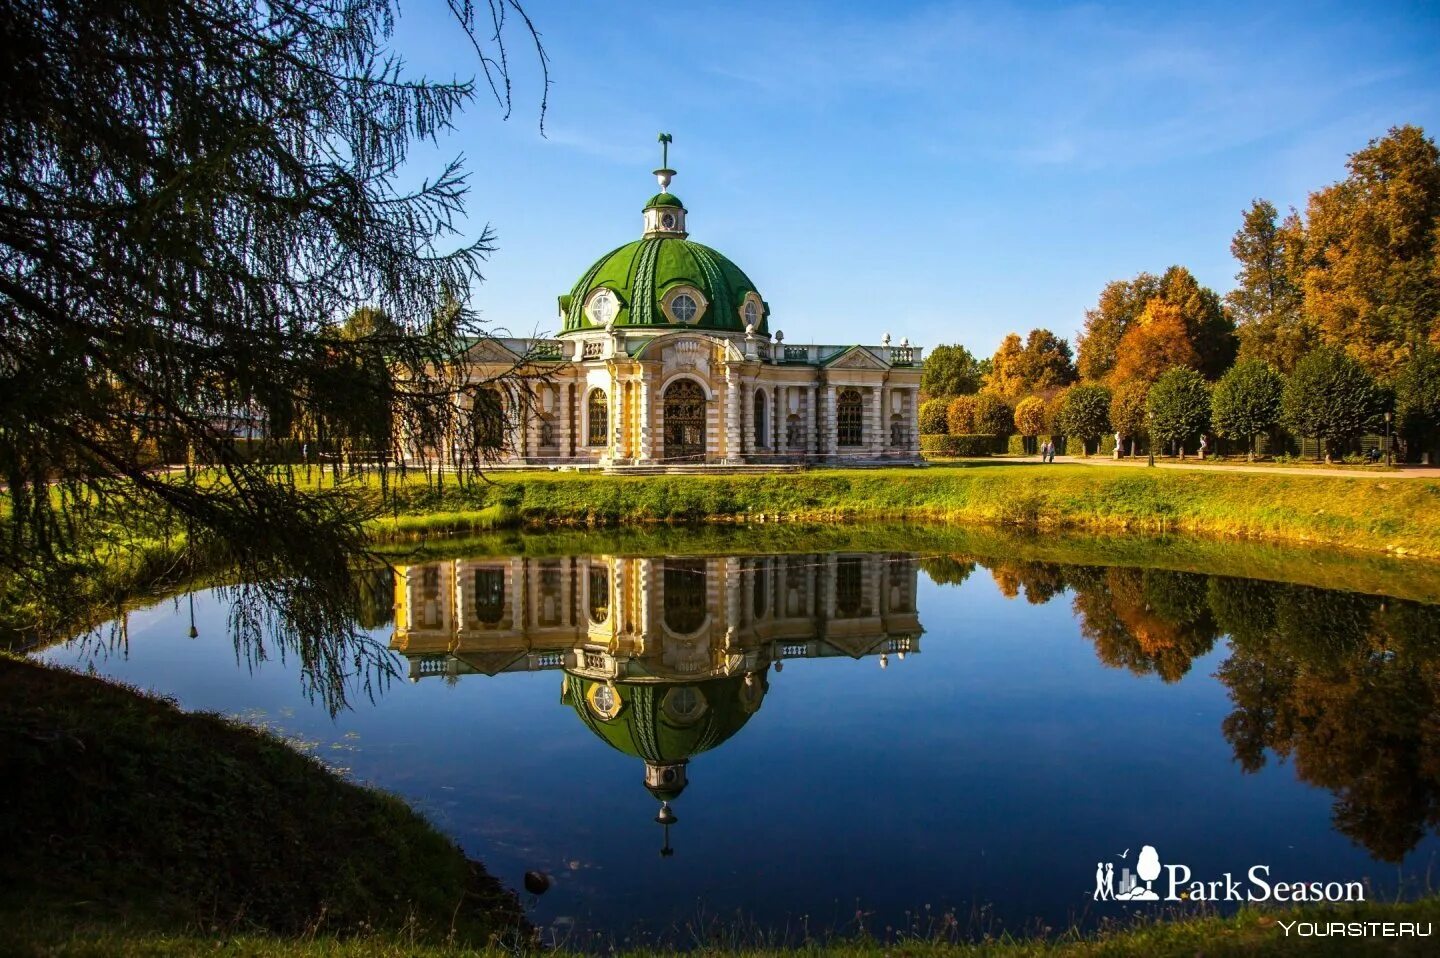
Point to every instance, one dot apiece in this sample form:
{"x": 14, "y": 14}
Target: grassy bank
{"x": 1380, "y": 515}
{"x": 119, "y": 809}
{"x": 1249, "y": 933}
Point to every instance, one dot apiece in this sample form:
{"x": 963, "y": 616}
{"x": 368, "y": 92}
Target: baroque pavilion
{"x": 666, "y": 358}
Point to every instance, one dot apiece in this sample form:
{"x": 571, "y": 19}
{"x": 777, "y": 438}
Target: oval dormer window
{"x": 602, "y": 307}
{"x": 684, "y": 307}
{"x": 752, "y": 313}
{"x": 668, "y": 221}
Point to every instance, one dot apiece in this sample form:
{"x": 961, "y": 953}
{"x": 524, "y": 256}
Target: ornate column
{"x": 619, "y": 438}
{"x": 878, "y": 439}
{"x": 913, "y": 423}
{"x": 779, "y": 416}
{"x": 645, "y": 452}
{"x": 832, "y": 423}
{"x": 732, "y": 415}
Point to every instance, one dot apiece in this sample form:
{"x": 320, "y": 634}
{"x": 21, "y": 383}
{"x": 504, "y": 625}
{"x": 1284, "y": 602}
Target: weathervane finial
{"x": 665, "y": 173}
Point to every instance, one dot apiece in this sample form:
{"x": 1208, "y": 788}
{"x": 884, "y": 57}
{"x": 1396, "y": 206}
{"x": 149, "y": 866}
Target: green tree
{"x": 1120, "y": 304}
{"x": 1178, "y": 407}
{"x": 932, "y": 417}
{"x": 1417, "y": 397}
{"x": 1085, "y": 414}
{"x": 1046, "y": 362}
{"x": 1373, "y": 279}
{"x": 1267, "y": 302}
{"x": 1330, "y": 397}
{"x": 993, "y": 415}
{"x": 1246, "y": 402}
{"x": 950, "y": 371}
{"x": 192, "y": 197}
{"x": 1127, "y": 410}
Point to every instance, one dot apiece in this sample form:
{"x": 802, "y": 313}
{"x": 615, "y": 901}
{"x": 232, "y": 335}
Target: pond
{"x": 811, "y": 741}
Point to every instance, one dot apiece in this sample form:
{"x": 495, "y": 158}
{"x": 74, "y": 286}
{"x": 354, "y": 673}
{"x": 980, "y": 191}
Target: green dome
{"x": 664, "y": 199}
{"x": 642, "y": 273}
{"x": 667, "y": 722}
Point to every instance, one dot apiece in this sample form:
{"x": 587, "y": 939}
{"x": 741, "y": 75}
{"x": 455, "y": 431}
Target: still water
{"x": 879, "y": 739}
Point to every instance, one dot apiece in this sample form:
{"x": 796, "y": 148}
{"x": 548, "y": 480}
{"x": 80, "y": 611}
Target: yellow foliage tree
{"x": 960, "y": 416}
{"x": 1156, "y": 342}
{"x": 1030, "y": 416}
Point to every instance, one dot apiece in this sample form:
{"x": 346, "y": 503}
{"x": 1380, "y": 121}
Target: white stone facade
{"x": 648, "y": 397}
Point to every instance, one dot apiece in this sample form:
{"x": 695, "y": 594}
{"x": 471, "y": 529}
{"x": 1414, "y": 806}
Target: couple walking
{"x": 1047, "y": 451}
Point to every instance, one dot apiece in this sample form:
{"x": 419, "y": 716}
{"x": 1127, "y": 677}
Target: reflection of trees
{"x": 1346, "y": 686}
{"x": 947, "y": 570}
{"x": 1145, "y": 620}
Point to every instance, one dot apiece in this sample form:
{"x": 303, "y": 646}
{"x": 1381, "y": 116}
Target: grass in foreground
{"x": 118, "y": 808}
{"x": 1249, "y": 933}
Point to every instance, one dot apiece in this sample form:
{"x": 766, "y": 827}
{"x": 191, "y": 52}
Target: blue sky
{"x": 943, "y": 171}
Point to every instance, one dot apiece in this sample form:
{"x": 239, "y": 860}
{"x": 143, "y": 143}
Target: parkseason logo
{"x": 1154, "y": 880}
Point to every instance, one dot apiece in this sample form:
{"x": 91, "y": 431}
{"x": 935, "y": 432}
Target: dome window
{"x": 752, "y": 313}
{"x": 602, "y": 307}
{"x": 684, "y": 305}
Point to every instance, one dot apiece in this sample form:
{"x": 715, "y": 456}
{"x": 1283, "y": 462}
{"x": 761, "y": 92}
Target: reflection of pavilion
{"x": 665, "y": 657}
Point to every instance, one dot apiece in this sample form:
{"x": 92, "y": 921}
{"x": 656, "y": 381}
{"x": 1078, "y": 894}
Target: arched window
{"x": 599, "y": 594}
{"x": 760, "y": 593}
{"x": 850, "y": 418}
{"x": 684, "y": 595}
{"x": 849, "y": 587}
{"x": 489, "y": 595}
{"x": 684, "y": 421}
{"x": 598, "y": 410}
{"x": 762, "y": 423}
{"x": 488, "y": 419}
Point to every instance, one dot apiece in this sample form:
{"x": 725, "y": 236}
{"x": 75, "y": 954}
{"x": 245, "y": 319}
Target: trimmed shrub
{"x": 993, "y": 416}
{"x": 970, "y": 444}
{"x": 1085, "y": 414}
{"x": 960, "y": 416}
{"x": 1030, "y": 416}
{"x": 1179, "y": 407}
{"x": 932, "y": 417}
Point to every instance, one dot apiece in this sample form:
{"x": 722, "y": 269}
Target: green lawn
{"x": 1400, "y": 515}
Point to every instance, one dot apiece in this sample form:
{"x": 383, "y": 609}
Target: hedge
{"x": 969, "y": 444}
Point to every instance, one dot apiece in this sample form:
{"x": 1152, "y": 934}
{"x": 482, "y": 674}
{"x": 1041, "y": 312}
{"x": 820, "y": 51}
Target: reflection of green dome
{"x": 667, "y": 723}
{"x": 641, "y": 275}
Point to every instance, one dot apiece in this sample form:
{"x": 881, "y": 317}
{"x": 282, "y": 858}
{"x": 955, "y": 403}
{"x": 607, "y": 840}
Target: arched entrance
{"x": 684, "y": 421}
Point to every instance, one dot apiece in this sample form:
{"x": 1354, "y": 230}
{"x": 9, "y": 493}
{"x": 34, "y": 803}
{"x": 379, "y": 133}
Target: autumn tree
{"x": 1246, "y": 402}
{"x": 1330, "y": 397}
{"x": 950, "y": 371}
{"x": 993, "y": 415}
{"x": 1210, "y": 329}
{"x": 1178, "y": 407}
{"x": 1120, "y": 304}
{"x": 1030, "y": 416}
{"x": 1373, "y": 280}
{"x": 1268, "y": 302}
{"x": 1086, "y": 414}
{"x": 1158, "y": 340}
{"x": 933, "y": 417}
{"x": 1127, "y": 410}
{"x": 1007, "y": 369}
{"x": 960, "y": 415}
